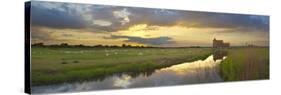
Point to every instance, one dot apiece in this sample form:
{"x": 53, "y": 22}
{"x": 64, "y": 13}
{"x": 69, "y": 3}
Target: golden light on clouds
{"x": 181, "y": 36}
{"x": 115, "y": 25}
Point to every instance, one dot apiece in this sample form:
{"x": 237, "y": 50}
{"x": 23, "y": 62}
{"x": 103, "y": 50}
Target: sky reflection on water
{"x": 199, "y": 71}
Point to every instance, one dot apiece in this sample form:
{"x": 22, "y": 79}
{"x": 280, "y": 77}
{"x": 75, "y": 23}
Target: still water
{"x": 200, "y": 71}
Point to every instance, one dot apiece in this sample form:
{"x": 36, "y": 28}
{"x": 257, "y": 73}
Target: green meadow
{"x": 245, "y": 64}
{"x": 52, "y": 65}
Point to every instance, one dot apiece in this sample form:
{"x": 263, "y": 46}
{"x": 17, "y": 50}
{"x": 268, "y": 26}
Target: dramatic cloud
{"x": 149, "y": 41}
{"x": 54, "y": 16}
{"x": 123, "y": 15}
{"x": 102, "y": 23}
{"x": 198, "y": 19}
{"x": 161, "y": 27}
{"x": 38, "y": 34}
{"x": 64, "y": 15}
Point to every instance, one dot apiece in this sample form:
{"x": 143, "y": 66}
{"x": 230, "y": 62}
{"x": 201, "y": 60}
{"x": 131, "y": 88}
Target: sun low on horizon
{"x": 56, "y": 23}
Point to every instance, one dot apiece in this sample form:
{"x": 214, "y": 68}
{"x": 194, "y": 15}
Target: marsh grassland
{"x": 59, "y": 65}
{"x": 245, "y": 64}
{"x": 65, "y": 65}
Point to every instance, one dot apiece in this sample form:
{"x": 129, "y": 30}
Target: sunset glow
{"x": 112, "y": 25}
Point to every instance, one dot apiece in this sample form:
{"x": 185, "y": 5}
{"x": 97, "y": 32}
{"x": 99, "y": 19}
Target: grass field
{"x": 245, "y": 64}
{"x": 58, "y": 65}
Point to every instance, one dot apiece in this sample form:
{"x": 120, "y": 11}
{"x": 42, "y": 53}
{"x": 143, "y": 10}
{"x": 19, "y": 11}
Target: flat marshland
{"x": 57, "y": 65}
{"x": 53, "y": 65}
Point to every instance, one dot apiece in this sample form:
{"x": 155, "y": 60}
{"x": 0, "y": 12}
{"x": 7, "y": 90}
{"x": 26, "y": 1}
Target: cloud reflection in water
{"x": 200, "y": 71}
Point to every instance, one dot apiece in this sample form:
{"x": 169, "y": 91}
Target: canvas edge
{"x": 27, "y": 83}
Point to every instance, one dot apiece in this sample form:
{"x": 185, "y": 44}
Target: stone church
{"x": 220, "y": 44}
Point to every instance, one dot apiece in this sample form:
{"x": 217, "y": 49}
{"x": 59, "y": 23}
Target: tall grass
{"x": 245, "y": 64}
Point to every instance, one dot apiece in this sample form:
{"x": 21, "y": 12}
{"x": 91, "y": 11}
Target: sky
{"x": 87, "y": 24}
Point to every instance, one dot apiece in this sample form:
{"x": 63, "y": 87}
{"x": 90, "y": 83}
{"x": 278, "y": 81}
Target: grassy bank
{"x": 57, "y": 65}
{"x": 245, "y": 64}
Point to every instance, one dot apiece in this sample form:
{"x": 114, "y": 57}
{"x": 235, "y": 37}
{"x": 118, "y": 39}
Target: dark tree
{"x": 123, "y": 45}
{"x": 64, "y": 44}
{"x": 38, "y": 44}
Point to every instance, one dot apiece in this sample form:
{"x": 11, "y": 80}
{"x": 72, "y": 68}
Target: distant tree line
{"x": 66, "y": 45}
